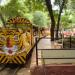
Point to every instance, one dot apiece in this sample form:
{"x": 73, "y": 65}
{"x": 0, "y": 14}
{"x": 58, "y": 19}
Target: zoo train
{"x": 16, "y": 41}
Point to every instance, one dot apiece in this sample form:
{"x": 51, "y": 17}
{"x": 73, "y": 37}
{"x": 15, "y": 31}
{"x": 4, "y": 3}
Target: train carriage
{"x": 16, "y": 41}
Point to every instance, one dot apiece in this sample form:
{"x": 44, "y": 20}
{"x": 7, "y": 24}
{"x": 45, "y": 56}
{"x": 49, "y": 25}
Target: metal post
{"x": 36, "y": 51}
{"x": 62, "y": 40}
{"x": 70, "y": 41}
{"x": 62, "y": 36}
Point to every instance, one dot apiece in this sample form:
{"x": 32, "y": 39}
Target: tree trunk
{"x": 3, "y": 21}
{"x": 49, "y": 7}
{"x": 59, "y": 17}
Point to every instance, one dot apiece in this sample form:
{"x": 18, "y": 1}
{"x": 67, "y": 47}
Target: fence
{"x": 70, "y": 40}
{"x": 53, "y": 54}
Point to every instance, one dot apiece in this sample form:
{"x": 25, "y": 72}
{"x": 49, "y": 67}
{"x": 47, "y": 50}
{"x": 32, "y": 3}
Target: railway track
{"x": 2, "y": 67}
{"x": 9, "y": 69}
{"x": 14, "y": 70}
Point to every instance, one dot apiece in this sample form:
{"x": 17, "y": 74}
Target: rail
{"x": 50, "y": 54}
{"x": 70, "y": 40}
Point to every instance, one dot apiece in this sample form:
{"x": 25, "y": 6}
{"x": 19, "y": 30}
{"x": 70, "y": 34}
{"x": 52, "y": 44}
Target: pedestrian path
{"x": 53, "y": 56}
{"x": 43, "y": 44}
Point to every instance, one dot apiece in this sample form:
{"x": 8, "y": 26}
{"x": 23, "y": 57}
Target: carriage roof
{"x": 19, "y": 20}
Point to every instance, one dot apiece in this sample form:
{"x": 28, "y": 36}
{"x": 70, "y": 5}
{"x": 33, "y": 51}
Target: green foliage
{"x": 65, "y": 21}
{"x": 68, "y": 20}
{"x": 71, "y": 5}
{"x": 59, "y": 3}
{"x": 40, "y": 19}
{"x": 29, "y": 16}
{"x": 1, "y": 23}
{"x": 13, "y": 9}
{"x": 4, "y": 2}
{"x": 34, "y": 11}
{"x": 21, "y": 8}
{"x": 34, "y": 5}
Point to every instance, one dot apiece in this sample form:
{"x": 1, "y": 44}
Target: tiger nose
{"x": 9, "y": 42}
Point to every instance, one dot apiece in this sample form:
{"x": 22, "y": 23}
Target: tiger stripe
{"x": 22, "y": 59}
{"x": 14, "y": 61}
{"x": 2, "y": 56}
{"x": 7, "y": 61}
{"x": 19, "y": 20}
{"x": 18, "y": 59}
{"x": 3, "y": 61}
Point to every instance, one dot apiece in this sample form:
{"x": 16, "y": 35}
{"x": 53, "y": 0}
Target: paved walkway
{"x": 43, "y": 44}
{"x": 53, "y": 54}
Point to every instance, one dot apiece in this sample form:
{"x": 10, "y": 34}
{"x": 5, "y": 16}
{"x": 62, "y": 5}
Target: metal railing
{"x": 63, "y": 49}
{"x": 70, "y": 41}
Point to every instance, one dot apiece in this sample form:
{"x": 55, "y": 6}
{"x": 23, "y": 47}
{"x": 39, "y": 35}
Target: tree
{"x": 59, "y": 17}
{"x": 66, "y": 21}
{"x": 69, "y": 14}
{"x": 12, "y": 9}
{"x": 49, "y": 7}
{"x": 40, "y": 19}
{"x": 29, "y": 16}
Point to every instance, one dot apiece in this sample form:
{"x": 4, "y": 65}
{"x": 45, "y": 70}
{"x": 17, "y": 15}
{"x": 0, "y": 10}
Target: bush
{"x": 29, "y": 16}
{"x": 40, "y": 19}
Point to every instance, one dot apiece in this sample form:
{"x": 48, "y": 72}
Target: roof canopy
{"x": 19, "y": 20}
